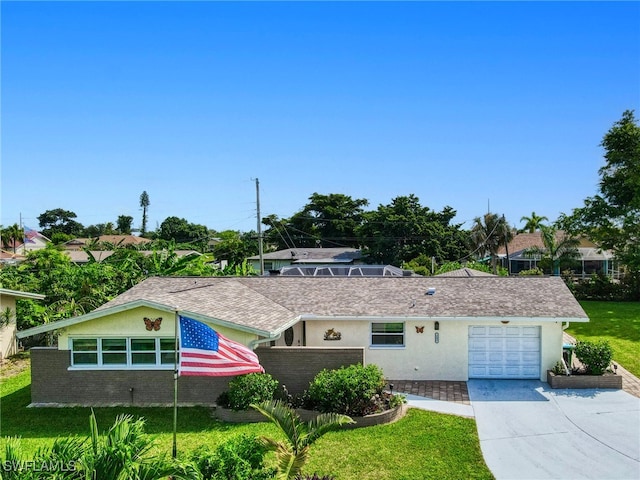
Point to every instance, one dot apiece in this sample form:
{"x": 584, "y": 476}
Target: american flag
{"x": 204, "y": 352}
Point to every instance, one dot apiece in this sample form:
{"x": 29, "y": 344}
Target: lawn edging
{"x": 252, "y": 416}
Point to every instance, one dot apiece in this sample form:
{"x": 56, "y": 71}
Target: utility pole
{"x": 259, "y": 227}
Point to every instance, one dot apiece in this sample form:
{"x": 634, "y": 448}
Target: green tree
{"x": 611, "y": 218}
{"x": 123, "y": 224}
{"x": 59, "y": 221}
{"x": 404, "y": 229}
{"x": 235, "y": 247}
{"x": 183, "y": 232}
{"x": 11, "y": 236}
{"x": 144, "y": 204}
{"x": 533, "y": 222}
{"x": 488, "y": 234}
{"x": 293, "y": 453}
{"x": 326, "y": 221}
{"x": 559, "y": 251}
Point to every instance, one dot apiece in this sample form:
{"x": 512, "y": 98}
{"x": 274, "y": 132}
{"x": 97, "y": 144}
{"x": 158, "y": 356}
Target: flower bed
{"x": 608, "y": 380}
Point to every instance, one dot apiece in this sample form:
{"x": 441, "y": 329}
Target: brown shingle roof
{"x": 269, "y": 303}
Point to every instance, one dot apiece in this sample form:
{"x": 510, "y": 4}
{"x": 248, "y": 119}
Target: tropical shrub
{"x": 239, "y": 458}
{"x": 293, "y": 453}
{"x": 349, "y": 390}
{"x": 531, "y": 272}
{"x": 247, "y": 389}
{"x": 595, "y": 356}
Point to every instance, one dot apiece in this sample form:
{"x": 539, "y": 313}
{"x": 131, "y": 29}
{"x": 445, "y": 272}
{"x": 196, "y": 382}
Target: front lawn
{"x": 421, "y": 445}
{"x": 619, "y": 324}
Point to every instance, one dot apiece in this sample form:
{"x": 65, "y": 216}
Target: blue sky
{"x": 471, "y": 105}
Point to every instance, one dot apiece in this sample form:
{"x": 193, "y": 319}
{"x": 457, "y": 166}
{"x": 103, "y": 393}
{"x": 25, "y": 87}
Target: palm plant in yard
{"x": 559, "y": 249}
{"x": 292, "y": 454}
{"x": 488, "y": 234}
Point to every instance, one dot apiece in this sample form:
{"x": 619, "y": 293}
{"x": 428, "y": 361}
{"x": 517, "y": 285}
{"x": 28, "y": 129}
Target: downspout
{"x": 254, "y": 343}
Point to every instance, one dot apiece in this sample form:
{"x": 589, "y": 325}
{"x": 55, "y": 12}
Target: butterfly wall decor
{"x": 152, "y": 324}
{"x": 420, "y": 329}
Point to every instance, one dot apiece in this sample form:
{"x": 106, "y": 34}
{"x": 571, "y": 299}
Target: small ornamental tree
{"x": 595, "y": 356}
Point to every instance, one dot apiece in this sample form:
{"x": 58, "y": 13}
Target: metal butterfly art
{"x": 152, "y": 324}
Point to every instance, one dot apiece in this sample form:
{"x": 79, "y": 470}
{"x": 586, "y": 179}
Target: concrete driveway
{"x": 529, "y": 431}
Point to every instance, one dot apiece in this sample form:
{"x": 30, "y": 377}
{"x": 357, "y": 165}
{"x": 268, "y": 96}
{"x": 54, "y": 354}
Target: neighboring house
{"x": 10, "y": 258}
{"x": 32, "y": 241}
{"x": 82, "y": 256}
{"x": 592, "y": 259}
{"x": 414, "y": 328}
{"x": 306, "y": 256}
{"x": 116, "y": 240}
{"x": 8, "y": 344}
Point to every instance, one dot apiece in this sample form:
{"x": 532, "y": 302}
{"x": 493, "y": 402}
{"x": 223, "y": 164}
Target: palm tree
{"x": 293, "y": 453}
{"x": 144, "y": 203}
{"x": 12, "y": 235}
{"x": 534, "y": 222}
{"x": 558, "y": 248}
{"x": 488, "y": 234}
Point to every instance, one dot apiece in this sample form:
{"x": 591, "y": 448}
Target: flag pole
{"x": 175, "y": 385}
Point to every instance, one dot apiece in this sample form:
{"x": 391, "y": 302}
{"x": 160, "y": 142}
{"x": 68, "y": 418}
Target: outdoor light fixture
{"x": 437, "y": 337}
{"x": 436, "y": 326}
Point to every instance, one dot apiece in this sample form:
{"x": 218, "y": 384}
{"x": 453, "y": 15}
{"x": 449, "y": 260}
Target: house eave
{"x": 19, "y": 294}
{"x": 101, "y": 312}
{"x": 425, "y": 318}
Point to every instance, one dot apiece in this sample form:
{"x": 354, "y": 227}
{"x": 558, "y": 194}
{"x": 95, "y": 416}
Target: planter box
{"x": 608, "y": 380}
{"x": 251, "y": 416}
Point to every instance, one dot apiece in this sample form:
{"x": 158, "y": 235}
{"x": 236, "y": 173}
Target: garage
{"x": 504, "y": 352}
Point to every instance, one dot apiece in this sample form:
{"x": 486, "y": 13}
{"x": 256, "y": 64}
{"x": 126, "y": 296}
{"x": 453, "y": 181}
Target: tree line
{"x": 401, "y": 233}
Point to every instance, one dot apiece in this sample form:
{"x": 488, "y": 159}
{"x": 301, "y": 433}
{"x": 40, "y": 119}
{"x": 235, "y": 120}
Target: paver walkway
{"x": 445, "y": 391}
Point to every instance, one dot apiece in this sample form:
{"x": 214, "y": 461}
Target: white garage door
{"x": 504, "y": 352}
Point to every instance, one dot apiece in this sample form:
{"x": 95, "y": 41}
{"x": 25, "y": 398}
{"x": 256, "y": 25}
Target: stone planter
{"x": 240, "y": 416}
{"x": 608, "y": 380}
{"x": 251, "y": 416}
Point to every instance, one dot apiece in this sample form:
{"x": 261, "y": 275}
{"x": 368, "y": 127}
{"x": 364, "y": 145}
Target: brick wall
{"x": 295, "y": 367}
{"x": 52, "y": 382}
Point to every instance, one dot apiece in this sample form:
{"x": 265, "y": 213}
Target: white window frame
{"x": 373, "y": 334}
{"x": 129, "y": 365}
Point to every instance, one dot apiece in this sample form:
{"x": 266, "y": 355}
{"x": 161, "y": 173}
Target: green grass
{"x": 421, "y": 445}
{"x": 619, "y": 324}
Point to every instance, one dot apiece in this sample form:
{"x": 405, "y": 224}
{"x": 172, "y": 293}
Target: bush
{"x": 247, "y": 389}
{"x": 531, "y": 272}
{"x": 239, "y": 458}
{"x": 595, "y": 356}
{"x": 349, "y": 390}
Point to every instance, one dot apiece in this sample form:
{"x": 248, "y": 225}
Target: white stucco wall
{"x": 422, "y": 358}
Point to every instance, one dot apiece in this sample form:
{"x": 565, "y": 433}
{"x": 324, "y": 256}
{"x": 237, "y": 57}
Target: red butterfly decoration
{"x": 420, "y": 329}
{"x": 152, "y": 324}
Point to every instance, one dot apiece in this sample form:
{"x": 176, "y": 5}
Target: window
{"x": 387, "y": 334}
{"x": 85, "y": 351}
{"x": 122, "y": 352}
